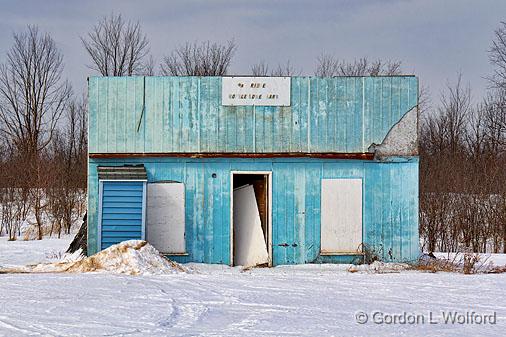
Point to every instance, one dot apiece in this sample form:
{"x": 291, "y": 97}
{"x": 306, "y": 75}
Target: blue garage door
{"x": 122, "y": 213}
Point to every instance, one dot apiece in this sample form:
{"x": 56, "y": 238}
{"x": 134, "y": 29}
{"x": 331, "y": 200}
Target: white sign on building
{"x": 259, "y": 91}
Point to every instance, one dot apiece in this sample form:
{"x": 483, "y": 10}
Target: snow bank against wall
{"x": 134, "y": 257}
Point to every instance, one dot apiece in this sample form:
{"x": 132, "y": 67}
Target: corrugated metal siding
{"x": 122, "y": 212}
{"x": 184, "y": 114}
{"x": 390, "y": 205}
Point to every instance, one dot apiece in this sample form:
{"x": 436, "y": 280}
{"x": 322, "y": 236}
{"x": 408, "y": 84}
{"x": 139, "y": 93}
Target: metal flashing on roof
{"x": 126, "y": 172}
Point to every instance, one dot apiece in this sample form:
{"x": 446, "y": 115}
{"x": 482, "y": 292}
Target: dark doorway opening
{"x": 247, "y": 245}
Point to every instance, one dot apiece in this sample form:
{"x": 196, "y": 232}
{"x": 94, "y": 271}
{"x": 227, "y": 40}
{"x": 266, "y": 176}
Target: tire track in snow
{"x": 183, "y": 315}
{"x": 5, "y": 324}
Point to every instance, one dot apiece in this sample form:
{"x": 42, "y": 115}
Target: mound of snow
{"x": 134, "y": 257}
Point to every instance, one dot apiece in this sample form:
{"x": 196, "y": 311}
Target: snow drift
{"x": 378, "y": 267}
{"x": 133, "y": 257}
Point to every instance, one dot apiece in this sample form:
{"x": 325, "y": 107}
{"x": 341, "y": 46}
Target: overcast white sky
{"x": 434, "y": 39}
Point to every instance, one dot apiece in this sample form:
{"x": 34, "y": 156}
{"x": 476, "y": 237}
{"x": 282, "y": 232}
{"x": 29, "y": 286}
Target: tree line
{"x": 44, "y": 146}
{"x": 463, "y": 164}
{"x": 43, "y": 140}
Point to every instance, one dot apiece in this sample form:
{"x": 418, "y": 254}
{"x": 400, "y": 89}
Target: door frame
{"x": 269, "y": 212}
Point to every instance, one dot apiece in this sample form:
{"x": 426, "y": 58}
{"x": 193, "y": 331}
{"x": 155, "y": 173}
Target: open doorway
{"x": 251, "y": 218}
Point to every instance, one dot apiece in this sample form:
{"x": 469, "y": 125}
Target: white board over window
{"x": 165, "y": 219}
{"x": 341, "y": 216}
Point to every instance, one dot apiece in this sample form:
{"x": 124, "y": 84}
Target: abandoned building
{"x": 255, "y": 170}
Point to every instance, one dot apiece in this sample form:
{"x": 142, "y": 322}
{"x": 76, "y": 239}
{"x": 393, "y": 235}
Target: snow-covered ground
{"x": 31, "y": 252}
{"x": 221, "y": 301}
{"x": 310, "y": 300}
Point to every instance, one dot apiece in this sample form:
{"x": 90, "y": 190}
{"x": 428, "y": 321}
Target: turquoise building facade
{"x": 178, "y": 130}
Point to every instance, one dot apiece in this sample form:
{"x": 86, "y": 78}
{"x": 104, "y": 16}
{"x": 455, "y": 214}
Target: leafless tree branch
{"x": 330, "y": 66}
{"x": 286, "y": 69}
{"x": 199, "y": 59}
{"x": 260, "y": 69}
{"x": 117, "y": 47}
{"x": 33, "y": 94}
{"x": 497, "y": 57}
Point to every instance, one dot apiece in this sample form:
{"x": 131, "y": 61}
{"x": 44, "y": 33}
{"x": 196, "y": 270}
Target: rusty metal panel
{"x": 187, "y": 115}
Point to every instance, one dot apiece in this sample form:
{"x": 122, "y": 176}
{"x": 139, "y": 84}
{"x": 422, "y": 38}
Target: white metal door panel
{"x": 249, "y": 242}
{"x": 341, "y": 215}
{"x": 165, "y": 228}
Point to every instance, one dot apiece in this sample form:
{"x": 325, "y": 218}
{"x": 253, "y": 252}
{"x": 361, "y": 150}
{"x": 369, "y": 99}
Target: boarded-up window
{"x": 165, "y": 228}
{"x": 341, "y": 216}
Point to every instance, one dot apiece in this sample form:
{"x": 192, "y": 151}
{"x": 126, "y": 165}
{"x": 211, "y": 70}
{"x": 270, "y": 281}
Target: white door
{"x": 341, "y": 216}
{"x": 165, "y": 222}
{"x": 249, "y": 242}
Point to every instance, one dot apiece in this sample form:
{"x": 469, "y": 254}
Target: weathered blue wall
{"x": 184, "y": 114}
{"x": 390, "y": 204}
{"x": 338, "y": 115}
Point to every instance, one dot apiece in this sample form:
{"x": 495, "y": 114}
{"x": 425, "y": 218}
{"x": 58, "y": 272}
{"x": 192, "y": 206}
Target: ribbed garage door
{"x": 122, "y": 212}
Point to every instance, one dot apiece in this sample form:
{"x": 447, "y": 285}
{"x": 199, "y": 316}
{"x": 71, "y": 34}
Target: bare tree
{"x": 497, "y": 57}
{"x": 455, "y": 110}
{"x": 463, "y": 155}
{"x": 149, "y": 67}
{"x": 117, "y": 47}
{"x": 476, "y": 135}
{"x": 494, "y": 116}
{"x": 14, "y": 201}
{"x": 330, "y": 66}
{"x": 462, "y": 194}
{"x": 199, "y": 59}
{"x": 68, "y": 160}
{"x": 286, "y": 69}
{"x": 260, "y": 69}
{"x": 33, "y": 96}
{"x": 379, "y": 67}
{"x": 327, "y": 66}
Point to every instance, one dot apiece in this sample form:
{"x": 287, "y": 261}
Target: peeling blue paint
{"x": 184, "y": 114}
{"x": 390, "y": 199}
